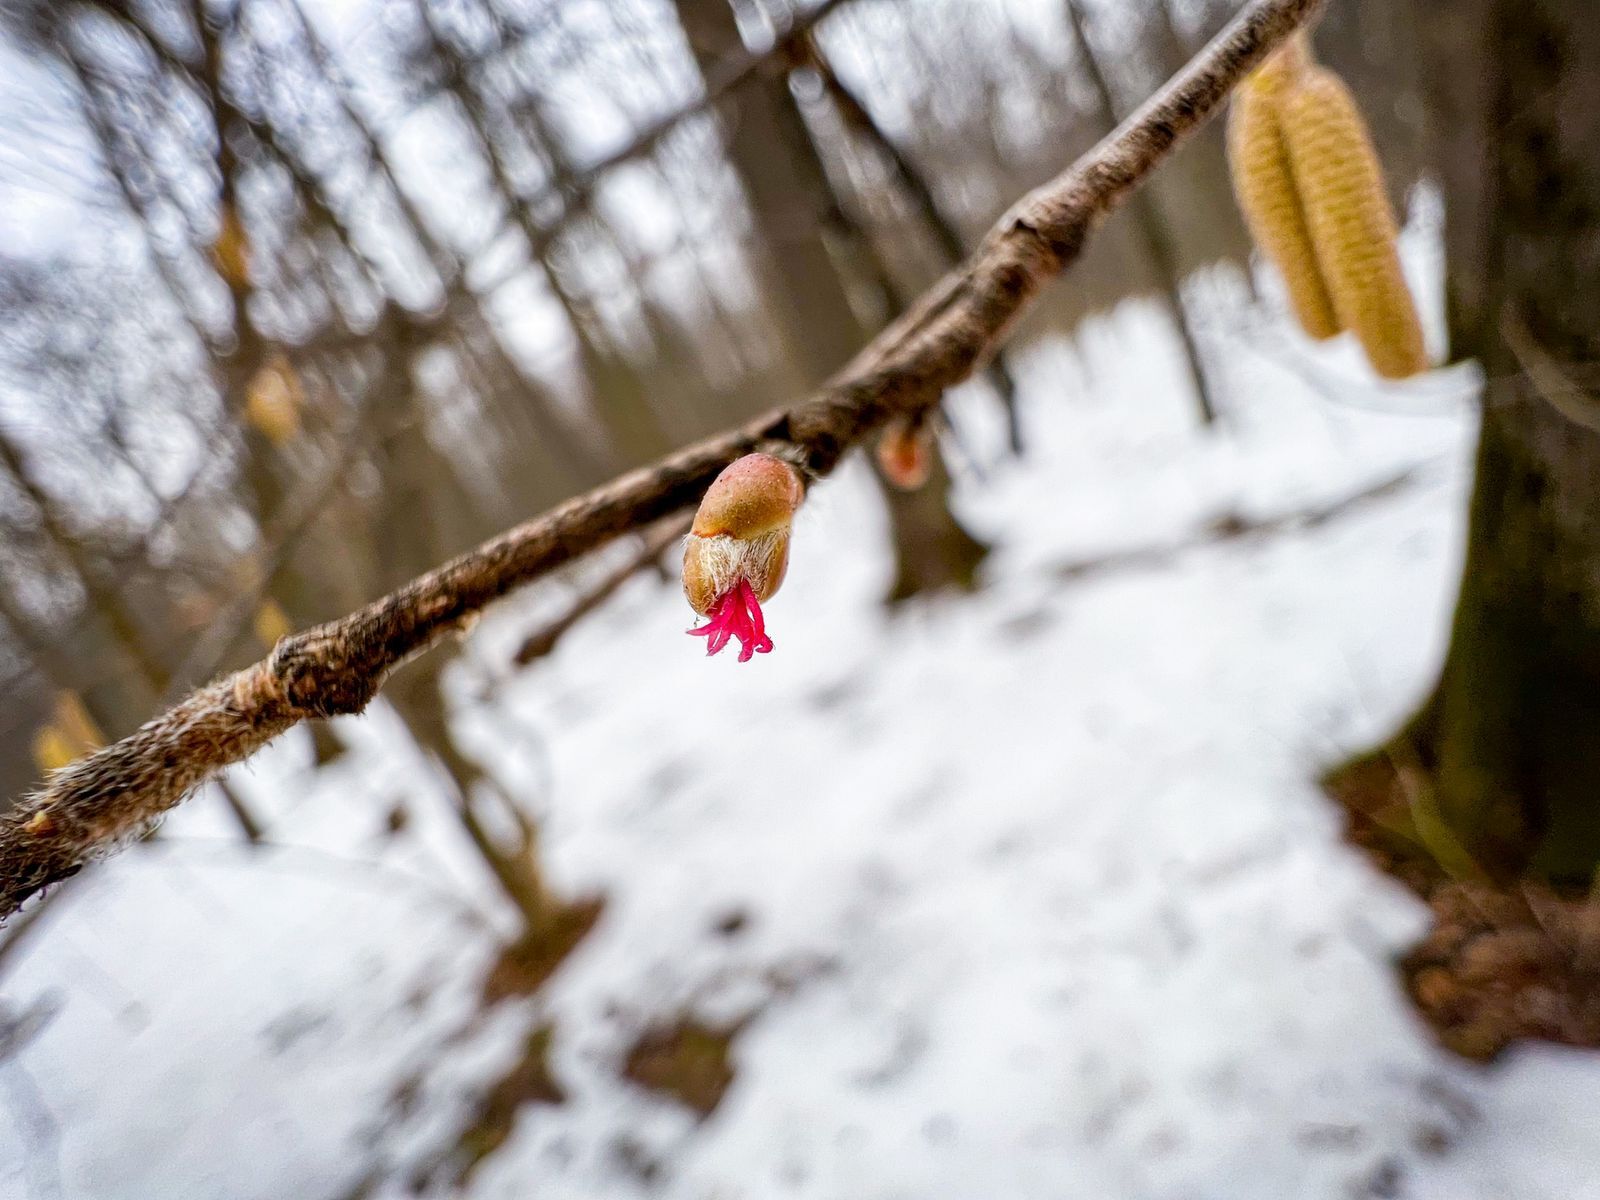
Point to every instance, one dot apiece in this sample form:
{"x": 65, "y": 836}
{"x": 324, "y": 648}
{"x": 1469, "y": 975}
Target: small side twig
{"x": 1233, "y": 526}
{"x": 542, "y": 641}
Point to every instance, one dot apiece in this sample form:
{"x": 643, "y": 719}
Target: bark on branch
{"x": 338, "y": 668}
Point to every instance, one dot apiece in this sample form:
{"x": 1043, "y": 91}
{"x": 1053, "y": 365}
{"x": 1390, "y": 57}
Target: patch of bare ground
{"x": 525, "y": 964}
{"x": 1503, "y": 961}
{"x": 685, "y": 1059}
{"x": 527, "y": 1081}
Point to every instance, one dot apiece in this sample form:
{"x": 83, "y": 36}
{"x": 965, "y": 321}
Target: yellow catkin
{"x": 51, "y": 749}
{"x": 230, "y": 253}
{"x": 1352, "y": 226}
{"x": 231, "y": 250}
{"x": 1265, "y": 187}
{"x": 70, "y": 734}
{"x": 273, "y": 399}
{"x": 272, "y": 623}
{"x": 74, "y": 718}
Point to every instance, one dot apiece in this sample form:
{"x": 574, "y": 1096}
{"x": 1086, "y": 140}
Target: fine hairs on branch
{"x": 100, "y": 801}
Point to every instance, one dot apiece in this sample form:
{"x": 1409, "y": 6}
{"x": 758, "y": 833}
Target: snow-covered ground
{"x": 1041, "y": 898}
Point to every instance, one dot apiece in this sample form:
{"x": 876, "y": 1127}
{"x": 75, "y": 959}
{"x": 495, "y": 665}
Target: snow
{"x": 1041, "y": 897}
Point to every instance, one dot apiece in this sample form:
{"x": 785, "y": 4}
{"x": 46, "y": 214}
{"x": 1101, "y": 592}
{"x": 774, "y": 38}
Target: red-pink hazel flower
{"x": 738, "y": 550}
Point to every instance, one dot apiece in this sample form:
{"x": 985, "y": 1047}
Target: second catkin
{"x": 1264, "y": 183}
{"x": 1312, "y": 190}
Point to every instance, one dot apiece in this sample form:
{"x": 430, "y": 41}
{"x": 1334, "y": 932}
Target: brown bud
{"x": 713, "y": 565}
{"x": 70, "y": 734}
{"x": 741, "y": 531}
{"x": 754, "y": 495}
{"x": 230, "y": 253}
{"x": 271, "y": 623}
{"x": 738, "y": 550}
{"x": 905, "y": 453}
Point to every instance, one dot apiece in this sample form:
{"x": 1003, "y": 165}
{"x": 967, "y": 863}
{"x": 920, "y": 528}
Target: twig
{"x": 1153, "y": 228}
{"x": 338, "y": 668}
{"x": 579, "y": 188}
{"x": 1233, "y": 526}
{"x": 542, "y": 641}
{"x": 858, "y": 117}
{"x": 1550, "y": 382}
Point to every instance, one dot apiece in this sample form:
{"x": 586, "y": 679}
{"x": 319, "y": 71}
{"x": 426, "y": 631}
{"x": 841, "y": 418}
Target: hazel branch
{"x": 337, "y": 668}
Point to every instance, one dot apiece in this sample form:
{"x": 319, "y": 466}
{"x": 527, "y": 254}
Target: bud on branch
{"x": 738, "y": 551}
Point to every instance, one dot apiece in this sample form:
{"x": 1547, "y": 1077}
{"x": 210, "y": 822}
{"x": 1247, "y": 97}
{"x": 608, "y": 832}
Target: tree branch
{"x": 338, "y": 667}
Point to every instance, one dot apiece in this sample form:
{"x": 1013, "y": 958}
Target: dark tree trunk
{"x": 1512, "y": 733}
{"x": 789, "y": 194}
{"x": 1154, "y": 232}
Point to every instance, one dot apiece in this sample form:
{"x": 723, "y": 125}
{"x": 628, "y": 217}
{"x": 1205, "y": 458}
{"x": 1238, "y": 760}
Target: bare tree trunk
{"x": 790, "y": 198}
{"x": 1152, "y": 227}
{"x": 859, "y": 120}
{"x": 622, "y": 401}
{"x": 794, "y": 205}
{"x": 1512, "y": 733}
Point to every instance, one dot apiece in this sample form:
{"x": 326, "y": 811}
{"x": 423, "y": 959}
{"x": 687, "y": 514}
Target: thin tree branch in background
{"x": 542, "y": 641}
{"x": 857, "y": 117}
{"x": 103, "y": 599}
{"x": 1153, "y": 228}
{"x": 368, "y": 425}
{"x": 1233, "y": 526}
{"x": 579, "y": 187}
{"x": 339, "y": 667}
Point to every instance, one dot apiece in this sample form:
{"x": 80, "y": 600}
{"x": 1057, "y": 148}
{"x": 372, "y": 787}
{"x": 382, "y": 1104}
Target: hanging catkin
{"x": 1312, "y": 192}
{"x": 1265, "y": 186}
{"x": 1347, "y": 211}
